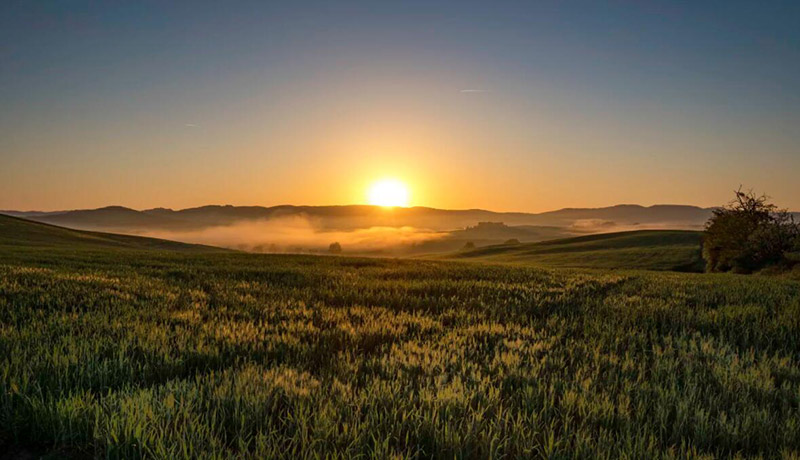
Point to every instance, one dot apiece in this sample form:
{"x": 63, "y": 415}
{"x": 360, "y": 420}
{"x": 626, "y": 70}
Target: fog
{"x": 584, "y": 226}
{"x": 300, "y": 234}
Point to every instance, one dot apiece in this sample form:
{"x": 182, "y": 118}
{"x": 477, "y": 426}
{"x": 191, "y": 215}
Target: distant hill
{"x": 110, "y": 217}
{"x": 18, "y": 232}
{"x": 631, "y": 214}
{"x": 362, "y": 216}
{"x": 644, "y": 249}
{"x": 487, "y": 233}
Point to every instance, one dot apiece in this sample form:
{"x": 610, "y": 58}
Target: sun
{"x": 389, "y": 193}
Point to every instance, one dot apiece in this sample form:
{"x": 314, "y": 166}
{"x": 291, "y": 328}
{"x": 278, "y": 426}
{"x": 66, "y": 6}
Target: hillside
{"x": 108, "y": 218}
{"x": 643, "y": 249}
{"x": 20, "y": 233}
{"x": 113, "y": 353}
{"x": 362, "y": 216}
{"x": 630, "y": 214}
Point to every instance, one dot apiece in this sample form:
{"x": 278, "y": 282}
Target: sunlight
{"x": 389, "y": 193}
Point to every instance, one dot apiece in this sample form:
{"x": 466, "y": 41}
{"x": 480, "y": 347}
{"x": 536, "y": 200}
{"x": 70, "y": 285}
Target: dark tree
{"x": 748, "y": 234}
{"x": 335, "y": 248}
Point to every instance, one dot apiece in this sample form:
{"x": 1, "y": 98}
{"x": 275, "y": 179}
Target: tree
{"x": 335, "y": 248}
{"x": 748, "y": 234}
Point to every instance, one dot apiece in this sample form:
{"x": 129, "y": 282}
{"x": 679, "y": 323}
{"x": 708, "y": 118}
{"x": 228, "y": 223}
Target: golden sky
{"x": 523, "y": 108}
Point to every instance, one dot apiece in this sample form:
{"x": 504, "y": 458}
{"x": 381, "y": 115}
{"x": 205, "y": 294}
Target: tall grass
{"x": 120, "y": 354}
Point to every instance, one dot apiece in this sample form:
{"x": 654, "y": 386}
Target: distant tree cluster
{"x": 750, "y": 234}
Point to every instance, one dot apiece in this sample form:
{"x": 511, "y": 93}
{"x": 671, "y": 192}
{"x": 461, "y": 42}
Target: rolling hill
{"x": 643, "y": 249}
{"x": 21, "y": 233}
{"x": 115, "y": 353}
{"x": 109, "y": 217}
{"x": 118, "y": 218}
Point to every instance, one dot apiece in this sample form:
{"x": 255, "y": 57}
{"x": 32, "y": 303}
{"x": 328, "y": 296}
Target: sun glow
{"x": 389, "y": 193}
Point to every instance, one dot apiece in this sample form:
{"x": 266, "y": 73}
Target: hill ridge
{"x": 676, "y": 250}
{"x": 117, "y": 217}
{"x": 19, "y": 232}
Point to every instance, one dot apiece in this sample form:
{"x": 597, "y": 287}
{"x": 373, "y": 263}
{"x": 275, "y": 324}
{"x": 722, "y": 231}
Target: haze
{"x": 514, "y": 106}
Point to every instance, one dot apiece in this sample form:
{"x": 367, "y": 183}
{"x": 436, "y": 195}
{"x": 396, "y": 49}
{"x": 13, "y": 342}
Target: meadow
{"x": 129, "y": 350}
{"x": 675, "y": 250}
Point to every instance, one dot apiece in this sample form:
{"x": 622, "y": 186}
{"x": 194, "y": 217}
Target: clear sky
{"x": 525, "y": 106}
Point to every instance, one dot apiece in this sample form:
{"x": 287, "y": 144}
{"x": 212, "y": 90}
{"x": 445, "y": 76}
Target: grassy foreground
{"x": 116, "y": 352}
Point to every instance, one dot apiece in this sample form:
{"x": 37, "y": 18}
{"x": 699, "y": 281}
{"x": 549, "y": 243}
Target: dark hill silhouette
{"x": 110, "y": 217}
{"x": 362, "y": 216}
{"x": 19, "y": 233}
{"x": 631, "y": 213}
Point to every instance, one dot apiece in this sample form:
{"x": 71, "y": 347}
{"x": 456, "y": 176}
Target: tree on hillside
{"x": 335, "y": 248}
{"x": 749, "y": 234}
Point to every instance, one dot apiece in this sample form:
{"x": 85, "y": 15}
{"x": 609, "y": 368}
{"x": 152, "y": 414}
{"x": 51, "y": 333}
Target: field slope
{"x": 109, "y": 352}
{"x": 22, "y": 233}
{"x": 676, "y": 250}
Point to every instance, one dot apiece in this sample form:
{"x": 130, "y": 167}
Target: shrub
{"x": 749, "y": 234}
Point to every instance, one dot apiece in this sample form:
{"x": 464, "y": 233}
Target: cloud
{"x": 472, "y": 90}
{"x": 191, "y": 125}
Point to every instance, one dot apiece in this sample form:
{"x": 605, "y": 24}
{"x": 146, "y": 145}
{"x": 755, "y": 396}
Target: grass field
{"x": 121, "y": 351}
{"x": 675, "y": 250}
{"x": 16, "y": 233}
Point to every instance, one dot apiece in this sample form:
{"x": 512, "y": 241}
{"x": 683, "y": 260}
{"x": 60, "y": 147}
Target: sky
{"x": 509, "y": 106}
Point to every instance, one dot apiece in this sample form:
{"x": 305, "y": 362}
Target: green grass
{"x": 125, "y": 353}
{"x": 675, "y": 250}
{"x": 16, "y": 232}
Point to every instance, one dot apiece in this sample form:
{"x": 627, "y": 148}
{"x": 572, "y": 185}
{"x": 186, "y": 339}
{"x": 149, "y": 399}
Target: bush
{"x": 335, "y": 248}
{"x": 748, "y": 235}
